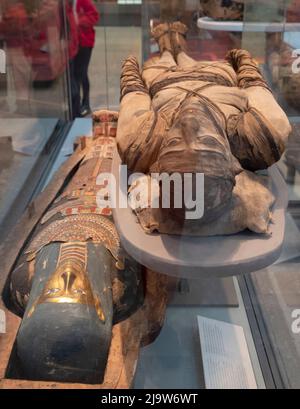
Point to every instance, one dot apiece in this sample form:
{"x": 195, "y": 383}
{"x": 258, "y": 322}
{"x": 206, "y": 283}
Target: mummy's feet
{"x": 161, "y": 34}
{"x": 178, "y": 37}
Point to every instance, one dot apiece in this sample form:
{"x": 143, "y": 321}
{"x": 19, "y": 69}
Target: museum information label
{"x": 225, "y": 355}
{"x": 2, "y": 322}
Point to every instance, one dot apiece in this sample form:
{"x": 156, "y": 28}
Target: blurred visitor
{"x": 87, "y": 17}
{"x": 15, "y": 31}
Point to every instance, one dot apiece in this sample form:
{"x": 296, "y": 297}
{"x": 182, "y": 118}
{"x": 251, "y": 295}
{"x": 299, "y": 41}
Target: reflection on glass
{"x": 32, "y": 38}
{"x": 33, "y": 97}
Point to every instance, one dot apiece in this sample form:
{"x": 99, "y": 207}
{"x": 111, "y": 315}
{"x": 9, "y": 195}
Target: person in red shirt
{"x": 72, "y": 49}
{"x": 87, "y": 17}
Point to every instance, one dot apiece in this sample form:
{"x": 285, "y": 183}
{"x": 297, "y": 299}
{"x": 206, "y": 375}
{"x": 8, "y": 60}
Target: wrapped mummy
{"x": 215, "y": 118}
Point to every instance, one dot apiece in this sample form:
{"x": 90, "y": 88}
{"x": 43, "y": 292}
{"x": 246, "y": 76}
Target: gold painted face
{"x": 69, "y": 285}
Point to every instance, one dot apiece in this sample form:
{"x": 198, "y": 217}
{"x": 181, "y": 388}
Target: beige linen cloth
{"x": 231, "y": 103}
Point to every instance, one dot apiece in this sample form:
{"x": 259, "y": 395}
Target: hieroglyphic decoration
{"x": 75, "y": 215}
{"x": 105, "y": 211}
{"x": 81, "y": 197}
{"x": 76, "y": 208}
{"x": 105, "y": 123}
{"x": 104, "y": 148}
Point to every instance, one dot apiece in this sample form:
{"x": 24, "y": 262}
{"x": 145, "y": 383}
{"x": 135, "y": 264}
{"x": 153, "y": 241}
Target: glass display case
{"x": 33, "y": 98}
{"x": 209, "y": 312}
{"x": 267, "y": 301}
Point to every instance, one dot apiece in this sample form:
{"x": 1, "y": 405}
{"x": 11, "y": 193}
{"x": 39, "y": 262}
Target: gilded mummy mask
{"x": 69, "y": 283}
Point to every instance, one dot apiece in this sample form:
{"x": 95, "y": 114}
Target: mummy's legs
{"x": 184, "y": 61}
{"x": 157, "y": 66}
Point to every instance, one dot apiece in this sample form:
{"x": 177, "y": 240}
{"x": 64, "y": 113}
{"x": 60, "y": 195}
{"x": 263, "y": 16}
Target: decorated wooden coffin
{"x": 77, "y": 307}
